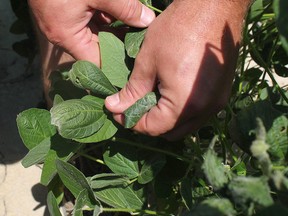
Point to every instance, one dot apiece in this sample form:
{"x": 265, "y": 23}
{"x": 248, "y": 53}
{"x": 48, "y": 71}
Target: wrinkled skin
{"x": 67, "y": 30}
{"x": 74, "y": 24}
{"x": 189, "y": 54}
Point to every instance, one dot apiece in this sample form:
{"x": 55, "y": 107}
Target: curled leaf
{"x": 134, "y": 113}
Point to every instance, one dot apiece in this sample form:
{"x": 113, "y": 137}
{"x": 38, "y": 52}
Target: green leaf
{"x": 97, "y": 210}
{"x": 57, "y": 99}
{"x": 60, "y": 149}
{"x": 77, "y": 118}
{"x": 37, "y": 154}
{"x": 215, "y": 170}
{"x": 256, "y": 10}
{"x": 186, "y": 192}
{"x": 57, "y": 187}
{"x": 192, "y": 194}
{"x": 87, "y": 75}
{"x": 146, "y": 2}
{"x": 280, "y": 7}
{"x": 151, "y": 168}
{"x": 277, "y": 138}
{"x": 75, "y": 181}
{"x": 214, "y": 206}
{"x": 121, "y": 197}
{"x": 66, "y": 89}
{"x": 133, "y": 41}
{"x": 244, "y": 122}
{"x": 134, "y": 113}
{"x": 107, "y": 131}
{"x": 121, "y": 160}
{"x": 108, "y": 179}
{"x": 250, "y": 189}
{"x": 275, "y": 209}
{"x": 81, "y": 203}
{"x": 52, "y": 205}
{"x": 34, "y": 126}
{"x": 113, "y": 59}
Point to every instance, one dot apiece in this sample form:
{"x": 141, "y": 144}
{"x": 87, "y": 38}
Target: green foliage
{"x": 78, "y": 118}
{"x": 107, "y": 168}
{"x": 214, "y": 170}
{"x": 52, "y": 205}
{"x": 34, "y": 126}
{"x": 113, "y": 66}
{"x": 133, "y": 41}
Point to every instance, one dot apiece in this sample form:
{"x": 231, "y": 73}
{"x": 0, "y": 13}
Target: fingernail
{"x": 113, "y": 100}
{"x": 147, "y": 16}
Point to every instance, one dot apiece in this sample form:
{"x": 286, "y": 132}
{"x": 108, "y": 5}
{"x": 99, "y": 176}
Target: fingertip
{"x": 112, "y": 101}
{"x": 147, "y": 16}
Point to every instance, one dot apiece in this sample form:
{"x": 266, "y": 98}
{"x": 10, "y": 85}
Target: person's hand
{"x": 189, "y": 53}
{"x": 74, "y": 24}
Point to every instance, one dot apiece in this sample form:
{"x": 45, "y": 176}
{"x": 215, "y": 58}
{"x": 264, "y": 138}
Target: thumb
{"x": 131, "y": 12}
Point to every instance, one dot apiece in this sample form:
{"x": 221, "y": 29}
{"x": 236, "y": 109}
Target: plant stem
{"x": 91, "y": 158}
{"x": 153, "y": 8}
{"x": 121, "y": 140}
{"x": 150, "y": 212}
{"x": 267, "y": 69}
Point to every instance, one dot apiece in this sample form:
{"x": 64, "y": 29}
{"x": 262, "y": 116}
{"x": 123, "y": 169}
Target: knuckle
{"x": 129, "y": 10}
{"x": 131, "y": 91}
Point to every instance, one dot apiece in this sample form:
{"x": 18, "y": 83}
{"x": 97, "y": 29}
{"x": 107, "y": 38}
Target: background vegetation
{"x": 234, "y": 165}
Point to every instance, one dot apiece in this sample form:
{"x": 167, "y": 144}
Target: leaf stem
{"x": 145, "y": 211}
{"x": 153, "y": 8}
{"x": 91, "y": 158}
{"x": 121, "y": 140}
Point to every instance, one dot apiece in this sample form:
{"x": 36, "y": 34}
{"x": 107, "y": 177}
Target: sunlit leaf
{"x": 34, "y": 126}
{"x": 37, "y": 154}
{"x": 113, "y": 59}
{"x": 87, "y": 75}
{"x": 107, "y": 131}
{"x": 77, "y": 118}
{"x": 57, "y": 99}
{"x": 133, "y": 41}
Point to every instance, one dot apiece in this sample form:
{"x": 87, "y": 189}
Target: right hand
{"x": 74, "y": 24}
